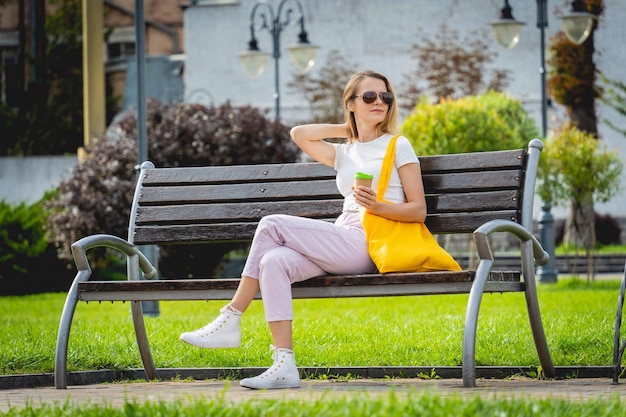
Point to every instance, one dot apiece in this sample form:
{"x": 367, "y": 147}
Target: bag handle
{"x": 385, "y": 170}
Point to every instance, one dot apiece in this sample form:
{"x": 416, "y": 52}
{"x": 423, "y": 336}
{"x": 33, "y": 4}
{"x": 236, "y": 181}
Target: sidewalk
{"x": 578, "y": 389}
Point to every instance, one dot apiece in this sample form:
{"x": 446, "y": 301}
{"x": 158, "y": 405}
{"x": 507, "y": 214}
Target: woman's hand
{"x": 366, "y": 197}
{"x": 413, "y": 210}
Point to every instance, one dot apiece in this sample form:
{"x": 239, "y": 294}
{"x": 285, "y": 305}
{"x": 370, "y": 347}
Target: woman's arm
{"x": 414, "y": 210}
{"x": 310, "y": 138}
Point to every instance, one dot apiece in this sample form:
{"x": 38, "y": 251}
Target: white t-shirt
{"x": 368, "y": 157}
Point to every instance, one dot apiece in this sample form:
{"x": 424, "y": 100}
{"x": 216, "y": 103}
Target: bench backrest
{"x": 225, "y": 203}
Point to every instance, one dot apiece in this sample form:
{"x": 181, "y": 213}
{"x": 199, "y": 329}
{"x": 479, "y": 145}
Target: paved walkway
{"x": 579, "y": 389}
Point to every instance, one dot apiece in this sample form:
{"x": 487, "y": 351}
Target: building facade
{"x": 21, "y": 32}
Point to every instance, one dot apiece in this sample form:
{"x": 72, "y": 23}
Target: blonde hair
{"x": 389, "y": 125}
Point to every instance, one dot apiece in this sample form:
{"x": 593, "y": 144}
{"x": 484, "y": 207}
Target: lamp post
{"x": 149, "y": 308}
{"x": 576, "y": 24}
{"x": 302, "y": 53}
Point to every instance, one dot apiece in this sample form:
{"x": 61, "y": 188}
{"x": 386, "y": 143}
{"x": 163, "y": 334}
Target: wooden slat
{"x": 195, "y": 233}
{"x": 472, "y": 181}
{"x": 424, "y": 288}
{"x": 307, "y": 190}
{"x": 476, "y": 161}
{"x": 235, "y": 212}
{"x": 466, "y": 202}
{"x": 322, "y": 281}
{"x": 295, "y": 190}
{"x": 468, "y": 222}
{"x": 464, "y": 163}
{"x": 244, "y": 231}
{"x": 237, "y": 174}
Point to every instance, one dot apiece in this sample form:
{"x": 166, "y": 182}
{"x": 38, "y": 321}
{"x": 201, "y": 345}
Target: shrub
{"x": 574, "y": 165}
{"x": 488, "y": 122}
{"x": 98, "y": 195}
{"x": 575, "y": 169}
{"x": 28, "y": 263}
{"x": 95, "y": 198}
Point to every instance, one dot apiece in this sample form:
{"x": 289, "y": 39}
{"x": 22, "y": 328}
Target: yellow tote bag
{"x": 399, "y": 246}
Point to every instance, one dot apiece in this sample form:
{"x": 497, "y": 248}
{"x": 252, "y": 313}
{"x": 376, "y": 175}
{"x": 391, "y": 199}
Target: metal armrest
{"x": 80, "y": 247}
{"x": 482, "y": 243}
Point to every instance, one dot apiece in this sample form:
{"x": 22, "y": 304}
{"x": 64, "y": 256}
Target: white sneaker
{"x": 223, "y": 332}
{"x": 282, "y": 374}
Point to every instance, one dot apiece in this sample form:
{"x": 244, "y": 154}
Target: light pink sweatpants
{"x": 287, "y": 249}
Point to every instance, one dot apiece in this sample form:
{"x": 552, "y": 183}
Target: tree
{"x": 451, "y": 67}
{"x": 571, "y": 82}
{"x": 574, "y": 169}
{"x": 572, "y": 74}
{"x": 613, "y": 95}
{"x": 324, "y": 92}
{"x": 49, "y": 118}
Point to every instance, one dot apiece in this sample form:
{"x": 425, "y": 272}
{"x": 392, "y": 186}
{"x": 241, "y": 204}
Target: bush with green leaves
{"x": 487, "y": 122}
{"x": 575, "y": 168}
{"x": 28, "y": 263}
{"x": 575, "y": 164}
{"x": 98, "y": 195}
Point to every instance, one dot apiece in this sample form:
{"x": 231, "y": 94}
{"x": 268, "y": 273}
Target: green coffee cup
{"x": 361, "y": 178}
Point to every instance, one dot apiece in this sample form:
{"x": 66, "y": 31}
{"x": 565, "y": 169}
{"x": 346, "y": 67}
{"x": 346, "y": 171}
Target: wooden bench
{"x": 479, "y": 193}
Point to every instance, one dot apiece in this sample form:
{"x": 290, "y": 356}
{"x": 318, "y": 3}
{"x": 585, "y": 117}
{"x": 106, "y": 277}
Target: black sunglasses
{"x": 369, "y": 97}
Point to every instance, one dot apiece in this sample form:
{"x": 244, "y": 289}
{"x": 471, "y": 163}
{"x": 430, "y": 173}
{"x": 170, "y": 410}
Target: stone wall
{"x": 26, "y": 179}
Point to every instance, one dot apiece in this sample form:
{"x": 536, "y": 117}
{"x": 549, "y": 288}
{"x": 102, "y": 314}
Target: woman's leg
{"x": 290, "y": 250}
{"x": 334, "y": 249}
{"x": 285, "y": 249}
{"x": 282, "y": 331}
{"x": 247, "y": 289}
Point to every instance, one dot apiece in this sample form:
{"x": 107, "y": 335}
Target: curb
{"x": 444, "y": 372}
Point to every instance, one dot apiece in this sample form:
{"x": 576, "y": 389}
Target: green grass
{"x": 415, "y": 404}
{"x": 600, "y": 250}
{"x": 396, "y": 331}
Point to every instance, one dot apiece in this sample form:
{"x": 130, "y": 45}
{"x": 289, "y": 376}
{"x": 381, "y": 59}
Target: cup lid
{"x": 363, "y": 176}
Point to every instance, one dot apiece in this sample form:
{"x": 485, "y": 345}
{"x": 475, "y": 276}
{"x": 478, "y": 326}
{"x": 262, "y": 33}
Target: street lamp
{"x": 576, "y": 24}
{"x": 302, "y": 53}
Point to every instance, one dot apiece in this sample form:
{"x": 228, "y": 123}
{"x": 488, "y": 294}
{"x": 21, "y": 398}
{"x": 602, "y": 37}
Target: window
{"x": 10, "y": 77}
{"x": 121, "y": 43}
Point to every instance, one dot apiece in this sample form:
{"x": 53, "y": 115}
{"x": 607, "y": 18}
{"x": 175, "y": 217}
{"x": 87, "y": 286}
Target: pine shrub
{"x": 28, "y": 263}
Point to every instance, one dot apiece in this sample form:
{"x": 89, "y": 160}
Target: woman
{"x": 288, "y": 249}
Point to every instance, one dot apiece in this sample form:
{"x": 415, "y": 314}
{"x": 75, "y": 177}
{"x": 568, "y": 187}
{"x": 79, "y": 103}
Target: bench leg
{"x": 139, "y": 324}
{"x": 471, "y": 322}
{"x": 618, "y": 350}
{"x": 63, "y": 336}
{"x": 532, "y": 304}
{"x": 142, "y": 341}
